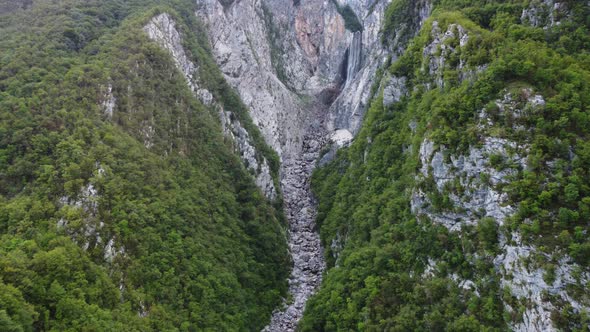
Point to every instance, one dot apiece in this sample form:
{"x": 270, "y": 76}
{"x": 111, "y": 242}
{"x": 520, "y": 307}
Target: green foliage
{"x": 16, "y": 314}
{"x": 202, "y": 248}
{"x": 376, "y": 279}
{"x": 487, "y": 231}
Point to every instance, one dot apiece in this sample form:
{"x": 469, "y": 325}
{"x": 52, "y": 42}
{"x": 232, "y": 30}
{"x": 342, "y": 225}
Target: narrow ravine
{"x": 300, "y": 207}
{"x": 304, "y": 241}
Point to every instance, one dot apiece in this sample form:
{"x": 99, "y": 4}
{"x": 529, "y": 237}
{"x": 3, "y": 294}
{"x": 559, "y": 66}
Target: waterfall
{"x": 354, "y": 55}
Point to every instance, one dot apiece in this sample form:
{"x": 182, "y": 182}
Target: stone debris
{"x": 304, "y": 241}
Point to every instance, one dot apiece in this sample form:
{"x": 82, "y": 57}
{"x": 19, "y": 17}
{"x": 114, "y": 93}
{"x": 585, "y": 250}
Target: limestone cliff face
{"x": 546, "y": 13}
{"x": 475, "y": 182}
{"x": 239, "y": 36}
{"x": 348, "y": 110}
{"x": 281, "y": 54}
{"x": 162, "y": 29}
{"x": 474, "y": 187}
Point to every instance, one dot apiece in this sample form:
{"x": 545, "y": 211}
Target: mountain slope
{"x": 461, "y": 203}
{"x": 123, "y": 206}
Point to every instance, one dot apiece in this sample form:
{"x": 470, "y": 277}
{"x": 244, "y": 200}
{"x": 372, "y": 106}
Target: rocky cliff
{"x": 435, "y": 186}
{"x": 302, "y": 68}
{"x": 474, "y": 183}
{"x": 285, "y": 57}
{"x": 162, "y": 29}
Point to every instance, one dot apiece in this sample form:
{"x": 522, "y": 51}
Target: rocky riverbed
{"x": 304, "y": 241}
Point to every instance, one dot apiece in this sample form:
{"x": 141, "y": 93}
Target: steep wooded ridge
{"x": 124, "y": 204}
{"x": 157, "y": 165}
{"x": 462, "y": 204}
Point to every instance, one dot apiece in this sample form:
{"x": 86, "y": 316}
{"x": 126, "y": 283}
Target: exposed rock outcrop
{"x": 306, "y": 80}
{"x": 394, "y": 90}
{"x": 162, "y": 29}
{"x": 109, "y": 102}
{"x": 469, "y": 182}
{"x": 473, "y": 186}
{"x": 545, "y": 13}
{"x": 529, "y": 284}
{"x": 238, "y": 36}
{"x": 81, "y": 221}
{"x": 314, "y": 53}
{"x": 348, "y": 111}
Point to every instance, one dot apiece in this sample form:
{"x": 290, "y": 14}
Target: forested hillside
{"x": 122, "y": 205}
{"x": 463, "y": 203}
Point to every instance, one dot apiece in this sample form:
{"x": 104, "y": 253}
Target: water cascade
{"x": 354, "y": 55}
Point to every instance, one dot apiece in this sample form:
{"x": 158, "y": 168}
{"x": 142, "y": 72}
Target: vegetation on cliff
{"x": 134, "y": 218}
{"x": 388, "y": 269}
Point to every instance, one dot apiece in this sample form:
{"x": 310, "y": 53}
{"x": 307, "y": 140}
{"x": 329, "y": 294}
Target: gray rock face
{"x": 241, "y": 137}
{"x": 91, "y": 233}
{"x": 348, "y": 111}
{"x": 526, "y": 282}
{"x": 477, "y": 179}
{"x": 239, "y": 37}
{"x": 162, "y": 29}
{"x": 439, "y": 49}
{"x": 395, "y": 89}
{"x": 355, "y": 52}
{"x": 545, "y": 13}
{"x": 414, "y": 17}
{"x": 480, "y": 197}
{"x": 273, "y": 52}
{"x": 109, "y": 102}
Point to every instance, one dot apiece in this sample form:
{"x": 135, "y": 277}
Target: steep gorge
{"x": 307, "y": 84}
{"x": 289, "y": 80}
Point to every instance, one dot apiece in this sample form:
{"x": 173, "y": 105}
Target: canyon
{"x": 305, "y": 84}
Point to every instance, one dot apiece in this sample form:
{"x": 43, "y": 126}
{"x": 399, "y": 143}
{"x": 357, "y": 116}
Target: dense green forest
{"x": 379, "y": 252}
{"x": 139, "y": 220}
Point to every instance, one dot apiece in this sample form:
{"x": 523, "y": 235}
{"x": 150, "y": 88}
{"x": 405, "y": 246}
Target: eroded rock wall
{"x": 163, "y": 30}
